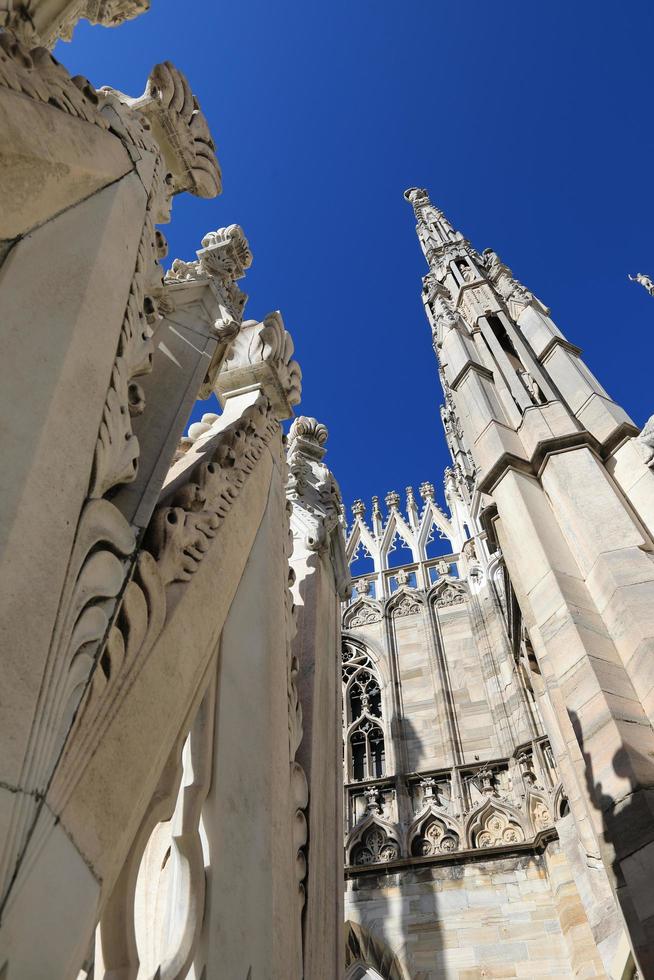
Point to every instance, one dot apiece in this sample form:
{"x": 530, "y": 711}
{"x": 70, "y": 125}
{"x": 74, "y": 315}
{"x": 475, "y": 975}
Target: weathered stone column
{"x": 253, "y": 818}
{"x": 321, "y": 582}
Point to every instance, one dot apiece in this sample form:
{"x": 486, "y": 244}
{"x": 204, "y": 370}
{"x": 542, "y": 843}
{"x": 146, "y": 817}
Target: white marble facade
{"x": 187, "y": 677}
{"x": 498, "y": 699}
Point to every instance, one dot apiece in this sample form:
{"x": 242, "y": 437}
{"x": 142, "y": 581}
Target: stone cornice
{"x": 469, "y": 366}
{"x": 536, "y": 845}
{"x": 558, "y": 342}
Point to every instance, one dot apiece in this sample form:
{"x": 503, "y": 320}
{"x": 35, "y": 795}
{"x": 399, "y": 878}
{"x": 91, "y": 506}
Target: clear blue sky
{"x": 530, "y": 123}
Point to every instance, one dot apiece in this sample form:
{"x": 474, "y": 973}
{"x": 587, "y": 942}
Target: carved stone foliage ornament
{"x": 180, "y": 534}
{"x": 225, "y": 256}
{"x": 181, "y": 529}
{"x": 117, "y": 448}
{"x": 35, "y": 73}
{"x": 40, "y": 22}
{"x": 181, "y": 130}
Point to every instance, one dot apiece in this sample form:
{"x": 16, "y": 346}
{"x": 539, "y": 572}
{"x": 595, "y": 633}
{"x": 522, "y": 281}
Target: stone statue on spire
{"x": 644, "y": 281}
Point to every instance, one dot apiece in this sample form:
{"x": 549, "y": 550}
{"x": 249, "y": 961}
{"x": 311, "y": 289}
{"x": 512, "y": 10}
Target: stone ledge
{"x": 536, "y": 845}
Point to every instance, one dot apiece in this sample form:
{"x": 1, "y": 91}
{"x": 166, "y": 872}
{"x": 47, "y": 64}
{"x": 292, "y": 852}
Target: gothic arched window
{"x": 365, "y": 756}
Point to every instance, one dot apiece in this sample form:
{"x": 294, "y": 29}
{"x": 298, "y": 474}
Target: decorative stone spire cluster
{"x": 393, "y": 501}
{"x": 413, "y": 527}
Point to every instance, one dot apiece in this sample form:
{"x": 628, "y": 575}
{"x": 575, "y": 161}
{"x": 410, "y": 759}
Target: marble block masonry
{"x": 218, "y": 759}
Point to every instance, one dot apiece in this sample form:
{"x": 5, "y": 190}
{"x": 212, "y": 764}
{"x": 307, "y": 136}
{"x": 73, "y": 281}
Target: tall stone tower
{"x": 498, "y": 699}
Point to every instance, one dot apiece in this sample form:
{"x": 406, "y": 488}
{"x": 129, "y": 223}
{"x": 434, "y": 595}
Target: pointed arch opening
{"x": 364, "y": 729}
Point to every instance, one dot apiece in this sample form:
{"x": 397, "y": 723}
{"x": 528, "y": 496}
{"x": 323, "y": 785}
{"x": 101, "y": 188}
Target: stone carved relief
{"x": 446, "y": 593}
{"x": 510, "y": 289}
{"x": 180, "y": 533}
{"x": 492, "y": 825}
{"x": 181, "y": 529}
{"x": 406, "y": 605}
{"x": 222, "y": 260}
{"x": 97, "y": 565}
{"x": 539, "y": 813}
{"x": 34, "y": 72}
{"x": 117, "y": 449}
{"x": 645, "y": 281}
{"x": 434, "y": 837}
{"x": 172, "y": 872}
{"x": 375, "y": 847}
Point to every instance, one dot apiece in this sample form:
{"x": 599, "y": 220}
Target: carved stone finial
{"x": 402, "y": 577}
{"x": 392, "y": 500}
{"x": 362, "y": 586}
{"x": 526, "y": 763}
{"x": 262, "y": 354}
{"x": 486, "y": 778}
{"x": 416, "y": 195}
{"x": 443, "y": 567}
{"x": 225, "y": 255}
{"x": 181, "y": 130}
{"x": 409, "y": 495}
{"x": 375, "y": 506}
{"x": 309, "y": 436}
{"x": 358, "y": 508}
{"x": 426, "y": 491}
{"x": 372, "y": 800}
{"x": 428, "y": 785}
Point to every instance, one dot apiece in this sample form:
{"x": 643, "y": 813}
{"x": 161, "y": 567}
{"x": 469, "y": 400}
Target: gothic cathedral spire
{"x": 568, "y": 496}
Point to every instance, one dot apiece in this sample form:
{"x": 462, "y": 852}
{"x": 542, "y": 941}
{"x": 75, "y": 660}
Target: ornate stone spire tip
{"x": 412, "y": 194}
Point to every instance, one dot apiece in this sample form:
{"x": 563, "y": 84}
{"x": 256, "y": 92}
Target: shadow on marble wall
{"x": 628, "y": 827}
{"x": 621, "y": 822}
{"x": 410, "y": 917}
